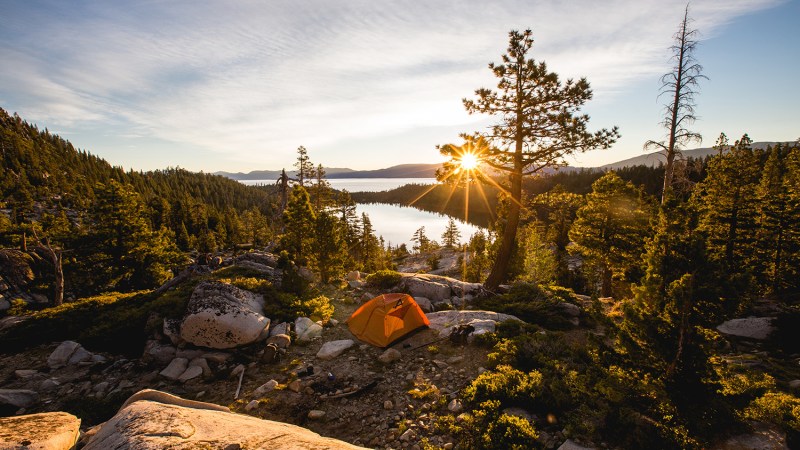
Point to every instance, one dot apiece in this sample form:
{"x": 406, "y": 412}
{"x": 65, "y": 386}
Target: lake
{"x": 360, "y": 184}
{"x": 395, "y": 223}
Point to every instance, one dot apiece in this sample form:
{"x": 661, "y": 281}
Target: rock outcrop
{"x": 222, "y": 316}
{"x": 482, "y": 321}
{"x": 758, "y": 328}
{"x": 45, "y": 431}
{"x": 152, "y": 425}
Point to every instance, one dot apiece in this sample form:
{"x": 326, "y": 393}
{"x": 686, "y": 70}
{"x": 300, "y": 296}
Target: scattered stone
{"x": 223, "y": 316}
{"x": 356, "y": 284}
{"x": 353, "y": 275}
{"x": 158, "y": 353}
{"x": 48, "y": 385}
{"x": 24, "y": 374}
{"x": 265, "y": 388}
{"x": 757, "y": 328}
{"x": 306, "y": 329}
{"x": 332, "y": 349}
{"x": 794, "y": 384}
{"x": 388, "y": 405}
{"x": 251, "y": 406}
{"x": 389, "y": 356}
{"x": 455, "y": 359}
{"x": 280, "y": 340}
{"x": 237, "y": 370}
{"x": 4, "y": 303}
{"x": 202, "y": 364}
{"x": 455, "y": 406}
{"x": 61, "y": 355}
{"x": 190, "y": 373}
{"x": 216, "y": 357}
{"x": 21, "y": 398}
{"x": 80, "y": 355}
{"x": 175, "y": 369}
{"x": 281, "y": 328}
{"x": 440, "y": 364}
{"x": 316, "y": 414}
{"x": 367, "y": 296}
{"x": 407, "y": 435}
{"x": 44, "y": 431}
{"x": 295, "y": 386}
{"x": 448, "y": 446}
{"x": 101, "y": 386}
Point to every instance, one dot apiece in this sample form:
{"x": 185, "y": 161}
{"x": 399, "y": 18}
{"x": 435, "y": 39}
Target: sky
{"x": 367, "y": 84}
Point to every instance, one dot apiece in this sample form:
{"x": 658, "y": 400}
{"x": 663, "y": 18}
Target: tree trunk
{"x": 499, "y": 271}
{"x": 605, "y": 289}
{"x": 58, "y": 271}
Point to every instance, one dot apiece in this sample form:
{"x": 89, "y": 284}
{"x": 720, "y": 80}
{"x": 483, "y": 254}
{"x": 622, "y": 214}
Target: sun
{"x": 468, "y": 161}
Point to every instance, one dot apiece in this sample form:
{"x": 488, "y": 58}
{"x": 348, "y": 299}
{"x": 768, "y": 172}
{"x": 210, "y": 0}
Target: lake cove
{"x": 394, "y": 222}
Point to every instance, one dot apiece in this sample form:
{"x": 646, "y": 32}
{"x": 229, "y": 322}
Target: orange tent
{"x": 386, "y": 318}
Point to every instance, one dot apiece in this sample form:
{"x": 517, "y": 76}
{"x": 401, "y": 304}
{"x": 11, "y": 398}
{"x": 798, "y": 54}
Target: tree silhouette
{"x": 540, "y": 124}
{"x": 681, "y": 86}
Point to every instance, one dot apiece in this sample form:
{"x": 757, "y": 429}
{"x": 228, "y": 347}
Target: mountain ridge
{"x": 429, "y": 170}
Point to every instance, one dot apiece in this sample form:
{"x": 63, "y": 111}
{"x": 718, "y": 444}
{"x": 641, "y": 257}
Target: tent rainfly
{"x": 386, "y": 318}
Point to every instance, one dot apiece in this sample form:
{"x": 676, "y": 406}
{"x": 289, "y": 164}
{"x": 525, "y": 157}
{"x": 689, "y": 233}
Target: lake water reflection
{"x": 395, "y": 223}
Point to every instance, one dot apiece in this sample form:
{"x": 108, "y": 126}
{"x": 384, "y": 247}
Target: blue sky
{"x": 238, "y": 86}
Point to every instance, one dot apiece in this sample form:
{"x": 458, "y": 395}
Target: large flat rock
{"x": 151, "y": 425}
{"x": 757, "y": 328}
{"x": 45, "y": 431}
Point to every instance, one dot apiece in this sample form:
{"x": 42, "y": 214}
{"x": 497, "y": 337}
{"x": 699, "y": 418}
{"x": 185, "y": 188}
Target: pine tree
{"x": 540, "y": 124}
{"x": 371, "y": 251}
{"x": 451, "y": 235}
{"x": 305, "y": 168}
{"x": 541, "y": 265}
{"x": 420, "y": 240}
{"x": 727, "y": 201}
{"x": 774, "y": 220}
{"x": 299, "y": 218}
{"x": 329, "y": 248}
{"x": 610, "y": 228}
{"x": 478, "y": 263}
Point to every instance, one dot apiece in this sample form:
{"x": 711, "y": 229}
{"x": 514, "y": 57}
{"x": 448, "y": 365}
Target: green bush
{"x": 507, "y": 385}
{"x": 531, "y": 303}
{"x": 384, "y": 279}
{"x": 489, "y": 429}
{"x": 283, "y": 306}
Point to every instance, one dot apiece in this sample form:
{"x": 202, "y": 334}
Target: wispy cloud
{"x": 253, "y": 80}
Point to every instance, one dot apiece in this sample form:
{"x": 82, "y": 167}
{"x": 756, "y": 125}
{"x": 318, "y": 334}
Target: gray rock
{"x": 172, "y": 330}
{"x": 222, "y": 316}
{"x": 757, "y": 328}
{"x": 422, "y": 286}
{"x": 306, "y": 329}
{"x": 49, "y": 385}
{"x": 281, "y": 328}
{"x": 175, "y": 369}
{"x": 388, "y": 405}
{"x": 190, "y": 373}
{"x": 44, "y": 431}
{"x": 61, "y": 355}
{"x": 794, "y": 384}
{"x": 4, "y": 304}
{"x": 455, "y": 406}
{"x": 316, "y": 414}
{"x": 202, "y": 364}
{"x": 216, "y": 357}
{"x": 251, "y": 406}
{"x": 280, "y": 340}
{"x": 25, "y": 373}
{"x": 265, "y": 388}
{"x": 158, "y": 353}
{"x": 424, "y": 304}
{"x": 101, "y": 386}
{"x": 569, "y": 309}
{"x": 389, "y": 356}
{"x": 80, "y": 355}
{"x": 21, "y": 398}
{"x": 332, "y": 349}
